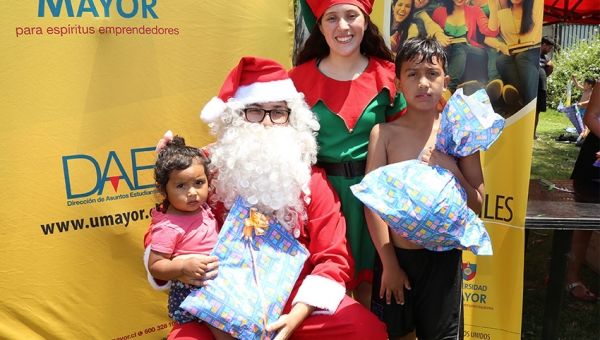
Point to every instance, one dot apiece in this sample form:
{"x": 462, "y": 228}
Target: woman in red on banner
{"x": 269, "y": 162}
{"x": 346, "y": 74}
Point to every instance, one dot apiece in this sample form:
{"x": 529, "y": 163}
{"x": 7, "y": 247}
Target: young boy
{"x": 588, "y": 86}
{"x": 415, "y": 289}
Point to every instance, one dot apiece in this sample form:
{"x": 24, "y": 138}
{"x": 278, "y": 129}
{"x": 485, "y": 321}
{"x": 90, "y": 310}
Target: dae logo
{"x": 86, "y": 176}
{"x": 469, "y": 270}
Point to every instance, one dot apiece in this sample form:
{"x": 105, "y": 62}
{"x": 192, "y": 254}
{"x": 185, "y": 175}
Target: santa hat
{"x": 253, "y": 80}
{"x": 318, "y": 7}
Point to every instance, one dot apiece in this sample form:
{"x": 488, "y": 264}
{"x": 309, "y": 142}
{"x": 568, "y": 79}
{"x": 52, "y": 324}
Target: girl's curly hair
{"x": 175, "y": 156}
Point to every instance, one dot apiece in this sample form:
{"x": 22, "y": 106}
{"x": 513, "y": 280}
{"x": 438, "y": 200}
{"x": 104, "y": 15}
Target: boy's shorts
{"x": 434, "y": 305}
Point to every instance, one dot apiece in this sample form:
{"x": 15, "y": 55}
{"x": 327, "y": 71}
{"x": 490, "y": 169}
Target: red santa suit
{"x": 321, "y": 281}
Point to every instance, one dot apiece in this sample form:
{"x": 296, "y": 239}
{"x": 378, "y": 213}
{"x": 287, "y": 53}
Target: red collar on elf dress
{"x": 347, "y": 99}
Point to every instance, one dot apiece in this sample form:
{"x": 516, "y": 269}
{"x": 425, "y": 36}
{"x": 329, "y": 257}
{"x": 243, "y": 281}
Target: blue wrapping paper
{"x": 573, "y": 113}
{"x": 256, "y": 277}
{"x": 468, "y": 124}
{"x": 425, "y": 205}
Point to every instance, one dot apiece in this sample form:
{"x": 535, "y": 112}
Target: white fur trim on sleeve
{"x": 320, "y": 292}
{"x": 151, "y": 280}
{"x": 212, "y": 110}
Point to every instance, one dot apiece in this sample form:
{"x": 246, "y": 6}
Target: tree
{"x": 581, "y": 59}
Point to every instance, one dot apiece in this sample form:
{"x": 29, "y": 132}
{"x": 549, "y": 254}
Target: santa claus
{"x": 265, "y": 152}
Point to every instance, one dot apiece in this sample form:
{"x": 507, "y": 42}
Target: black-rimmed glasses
{"x": 257, "y": 115}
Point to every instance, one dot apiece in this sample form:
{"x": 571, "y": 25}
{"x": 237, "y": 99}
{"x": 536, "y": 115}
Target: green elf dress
{"x": 347, "y": 111}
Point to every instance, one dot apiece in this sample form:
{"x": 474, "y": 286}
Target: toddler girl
{"x": 182, "y": 226}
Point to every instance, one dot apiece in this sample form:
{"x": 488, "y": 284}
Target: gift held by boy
{"x": 426, "y": 205}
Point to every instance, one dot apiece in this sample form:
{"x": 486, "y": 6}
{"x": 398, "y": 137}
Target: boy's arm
{"x": 472, "y": 181}
{"x": 467, "y": 171}
{"x": 394, "y": 279}
{"x": 377, "y": 157}
{"x": 577, "y": 85}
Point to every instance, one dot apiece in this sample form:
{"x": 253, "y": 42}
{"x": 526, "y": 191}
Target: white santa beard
{"x": 270, "y": 167}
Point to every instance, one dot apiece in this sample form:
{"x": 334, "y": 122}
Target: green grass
{"x": 579, "y": 320}
{"x": 551, "y": 159}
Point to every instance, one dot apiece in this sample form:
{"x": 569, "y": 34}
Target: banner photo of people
{"x": 87, "y": 90}
{"x": 492, "y": 46}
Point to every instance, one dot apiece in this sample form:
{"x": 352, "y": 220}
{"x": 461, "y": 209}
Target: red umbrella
{"x": 572, "y": 11}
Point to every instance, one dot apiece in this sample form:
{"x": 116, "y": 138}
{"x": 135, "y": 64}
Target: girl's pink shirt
{"x": 180, "y": 235}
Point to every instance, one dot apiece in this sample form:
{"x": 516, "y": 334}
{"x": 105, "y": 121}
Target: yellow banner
{"x": 87, "y": 88}
{"x": 493, "y": 286}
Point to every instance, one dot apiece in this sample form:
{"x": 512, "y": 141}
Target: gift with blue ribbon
{"x": 259, "y": 263}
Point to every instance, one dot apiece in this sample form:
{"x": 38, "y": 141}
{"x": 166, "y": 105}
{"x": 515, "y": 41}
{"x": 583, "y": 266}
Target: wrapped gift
{"x": 259, "y": 263}
{"x": 425, "y": 205}
{"x": 572, "y": 112}
{"x": 468, "y": 124}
